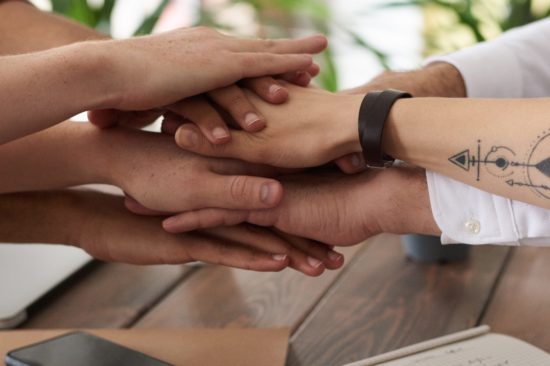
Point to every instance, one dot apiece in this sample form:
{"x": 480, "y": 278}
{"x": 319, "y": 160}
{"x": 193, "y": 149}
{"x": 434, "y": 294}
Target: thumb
{"x": 214, "y": 217}
{"x": 241, "y": 192}
{"x": 352, "y": 163}
{"x": 134, "y": 206}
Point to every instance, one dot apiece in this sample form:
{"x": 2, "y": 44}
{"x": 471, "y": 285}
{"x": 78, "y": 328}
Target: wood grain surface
{"x": 385, "y": 302}
{"x": 105, "y": 295}
{"x": 521, "y": 303}
{"x": 378, "y": 302}
{"x": 225, "y": 297}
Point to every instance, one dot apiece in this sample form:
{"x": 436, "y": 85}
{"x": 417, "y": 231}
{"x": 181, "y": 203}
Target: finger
{"x": 300, "y": 78}
{"x": 311, "y": 257}
{"x": 103, "y": 118}
{"x": 240, "y": 192}
{"x": 135, "y": 207}
{"x": 189, "y": 137}
{"x": 229, "y": 253}
{"x": 170, "y": 123}
{"x": 204, "y": 219}
{"x": 205, "y": 116}
{"x": 352, "y": 163}
{"x": 238, "y": 167}
{"x": 268, "y": 89}
{"x": 138, "y": 119}
{"x": 233, "y": 100}
{"x": 311, "y": 45}
{"x": 262, "y": 64}
{"x": 317, "y": 252}
{"x": 314, "y": 70}
{"x": 266, "y": 241}
{"x": 211, "y": 218}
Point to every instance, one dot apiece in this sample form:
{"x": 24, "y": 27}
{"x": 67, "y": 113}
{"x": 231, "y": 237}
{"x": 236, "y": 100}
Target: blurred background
{"x": 367, "y": 36}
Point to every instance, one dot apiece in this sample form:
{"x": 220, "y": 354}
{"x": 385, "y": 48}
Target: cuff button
{"x": 472, "y": 226}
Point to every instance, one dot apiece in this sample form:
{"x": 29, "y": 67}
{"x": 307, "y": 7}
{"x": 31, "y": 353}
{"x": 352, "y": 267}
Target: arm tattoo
{"x": 532, "y": 171}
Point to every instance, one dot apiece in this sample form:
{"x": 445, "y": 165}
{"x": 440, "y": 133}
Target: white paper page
{"x": 486, "y": 350}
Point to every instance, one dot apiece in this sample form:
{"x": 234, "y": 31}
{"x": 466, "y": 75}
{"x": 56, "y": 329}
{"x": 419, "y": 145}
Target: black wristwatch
{"x": 373, "y": 114}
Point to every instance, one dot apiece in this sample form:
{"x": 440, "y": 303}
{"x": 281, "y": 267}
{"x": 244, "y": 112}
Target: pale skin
{"x": 103, "y": 74}
{"x": 58, "y": 157}
{"x": 348, "y": 210}
{"x": 439, "y": 134}
{"x": 25, "y": 29}
{"x": 72, "y": 154}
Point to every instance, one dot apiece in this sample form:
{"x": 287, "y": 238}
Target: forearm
{"x": 499, "y": 146}
{"x": 65, "y": 155}
{"x": 41, "y": 89}
{"x": 436, "y": 80}
{"x": 25, "y": 28}
{"x": 41, "y": 217}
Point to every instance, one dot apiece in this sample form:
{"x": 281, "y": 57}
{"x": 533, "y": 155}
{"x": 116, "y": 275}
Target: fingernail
{"x": 220, "y": 133}
{"x": 169, "y": 223}
{"x": 279, "y": 257}
{"x": 274, "y": 89}
{"x": 268, "y": 193}
{"x": 251, "y": 119}
{"x": 333, "y": 256}
{"x": 315, "y": 263}
{"x": 188, "y": 139}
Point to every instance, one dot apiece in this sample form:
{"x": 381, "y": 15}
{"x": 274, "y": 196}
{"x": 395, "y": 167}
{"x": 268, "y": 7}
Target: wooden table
{"x": 378, "y": 302}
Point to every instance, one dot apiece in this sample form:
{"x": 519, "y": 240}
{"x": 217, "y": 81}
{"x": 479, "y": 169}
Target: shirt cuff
{"x": 468, "y": 215}
{"x": 489, "y": 70}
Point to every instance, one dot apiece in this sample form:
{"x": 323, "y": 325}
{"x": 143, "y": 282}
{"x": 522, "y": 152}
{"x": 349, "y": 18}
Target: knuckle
{"x": 238, "y": 188}
{"x": 237, "y": 99}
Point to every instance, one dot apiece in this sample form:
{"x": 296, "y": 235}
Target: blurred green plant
{"x": 480, "y": 19}
{"x": 473, "y": 20}
{"x": 99, "y": 16}
{"x": 290, "y": 18}
{"x": 276, "y": 18}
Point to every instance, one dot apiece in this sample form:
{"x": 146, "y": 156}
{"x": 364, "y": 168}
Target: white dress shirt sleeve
{"x": 516, "y": 65}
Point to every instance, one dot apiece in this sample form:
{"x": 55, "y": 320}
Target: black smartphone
{"x": 80, "y": 349}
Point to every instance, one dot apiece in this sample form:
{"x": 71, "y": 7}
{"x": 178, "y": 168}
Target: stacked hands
{"x": 237, "y": 172}
{"x": 255, "y": 168}
{"x": 233, "y": 188}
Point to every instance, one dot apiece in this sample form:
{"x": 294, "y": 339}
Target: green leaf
{"x": 380, "y": 56}
{"x": 149, "y": 23}
{"x": 328, "y": 79}
{"x": 78, "y": 10}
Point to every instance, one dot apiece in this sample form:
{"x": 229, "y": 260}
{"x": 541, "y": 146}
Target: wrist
{"x": 406, "y": 199}
{"x": 346, "y": 131}
{"x": 96, "y": 70}
{"x": 439, "y": 79}
{"x": 95, "y": 157}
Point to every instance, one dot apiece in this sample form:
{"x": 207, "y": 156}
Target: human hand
{"x": 156, "y": 71}
{"x": 107, "y": 231}
{"x": 150, "y": 168}
{"x": 334, "y": 209}
{"x": 201, "y": 109}
{"x": 313, "y": 128}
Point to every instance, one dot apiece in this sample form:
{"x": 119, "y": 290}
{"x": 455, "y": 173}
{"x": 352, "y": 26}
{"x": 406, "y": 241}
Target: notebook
{"x": 476, "y": 346}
